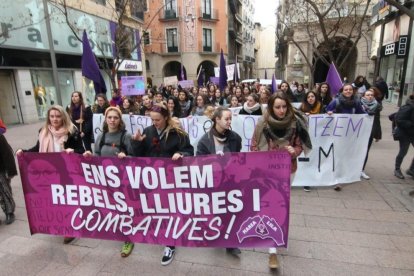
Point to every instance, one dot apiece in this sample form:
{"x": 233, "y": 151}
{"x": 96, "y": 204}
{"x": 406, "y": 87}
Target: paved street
{"x": 366, "y": 229}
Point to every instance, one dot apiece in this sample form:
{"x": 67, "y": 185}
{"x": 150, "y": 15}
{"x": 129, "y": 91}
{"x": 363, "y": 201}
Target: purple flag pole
{"x": 90, "y": 68}
{"x": 236, "y": 75}
{"x": 334, "y": 79}
{"x": 223, "y": 72}
{"x": 274, "y": 86}
{"x": 265, "y": 74}
{"x": 182, "y": 72}
{"x": 200, "y": 79}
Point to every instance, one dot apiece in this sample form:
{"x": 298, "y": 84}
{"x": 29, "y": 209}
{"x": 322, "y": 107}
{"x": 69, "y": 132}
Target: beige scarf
{"x": 49, "y": 135}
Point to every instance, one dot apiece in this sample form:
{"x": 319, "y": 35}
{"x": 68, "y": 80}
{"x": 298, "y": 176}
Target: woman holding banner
{"x": 163, "y": 139}
{"x": 58, "y": 134}
{"x": 345, "y": 103}
{"x": 281, "y": 128}
{"x": 220, "y": 139}
{"x": 114, "y": 141}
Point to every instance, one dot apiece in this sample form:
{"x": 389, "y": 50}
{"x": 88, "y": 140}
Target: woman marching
{"x": 281, "y": 128}
{"x": 220, "y": 139}
{"x": 114, "y": 141}
{"x": 58, "y": 134}
{"x": 251, "y": 106}
{"x": 81, "y": 116}
{"x": 163, "y": 139}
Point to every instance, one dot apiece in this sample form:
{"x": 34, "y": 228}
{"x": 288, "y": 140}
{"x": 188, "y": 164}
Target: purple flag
{"x": 265, "y": 74}
{"x": 182, "y": 72}
{"x": 334, "y": 79}
{"x": 274, "y": 85}
{"x": 223, "y": 72}
{"x": 236, "y": 73}
{"x": 90, "y": 68}
{"x": 201, "y": 77}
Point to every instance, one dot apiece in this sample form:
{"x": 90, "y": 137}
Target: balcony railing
{"x": 169, "y": 14}
{"x": 212, "y": 15}
{"x": 213, "y": 49}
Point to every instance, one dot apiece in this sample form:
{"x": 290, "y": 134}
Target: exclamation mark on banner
{"x": 233, "y": 218}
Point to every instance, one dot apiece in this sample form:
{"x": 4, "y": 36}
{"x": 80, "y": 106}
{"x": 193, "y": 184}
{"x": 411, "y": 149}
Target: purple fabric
{"x": 112, "y": 27}
{"x": 215, "y": 80}
{"x": 90, "y": 68}
{"x": 236, "y": 200}
{"x": 274, "y": 85}
{"x": 334, "y": 79}
{"x": 182, "y": 73}
{"x": 223, "y": 72}
{"x": 201, "y": 78}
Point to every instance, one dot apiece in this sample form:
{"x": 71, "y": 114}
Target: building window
{"x": 147, "y": 37}
{"x": 170, "y": 9}
{"x": 137, "y": 8}
{"x": 100, "y": 2}
{"x": 206, "y": 9}
{"x": 207, "y": 40}
{"x": 147, "y": 65}
{"x": 172, "y": 44}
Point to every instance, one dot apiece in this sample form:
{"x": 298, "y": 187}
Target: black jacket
{"x": 155, "y": 146}
{"x": 7, "y": 164}
{"x": 74, "y": 142}
{"x": 87, "y": 120}
{"x": 405, "y": 119}
{"x": 257, "y": 112}
{"x": 206, "y": 144}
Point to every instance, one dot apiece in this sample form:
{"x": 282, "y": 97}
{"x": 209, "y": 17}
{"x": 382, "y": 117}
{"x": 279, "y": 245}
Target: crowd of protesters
{"x": 283, "y": 125}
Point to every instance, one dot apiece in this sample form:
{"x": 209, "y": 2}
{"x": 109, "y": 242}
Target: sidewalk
{"x": 366, "y": 229}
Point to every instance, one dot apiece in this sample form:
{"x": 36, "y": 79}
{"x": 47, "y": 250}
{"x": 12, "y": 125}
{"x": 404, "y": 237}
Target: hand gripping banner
{"x": 235, "y": 200}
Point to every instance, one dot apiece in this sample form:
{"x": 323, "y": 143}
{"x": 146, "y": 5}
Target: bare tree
{"x": 331, "y": 29}
{"x": 402, "y": 8}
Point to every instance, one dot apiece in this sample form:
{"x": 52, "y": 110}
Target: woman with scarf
{"x": 114, "y": 141}
{"x": 201, "y": 102}
{"x": 324, "y": 95}
{"x": 146, "y": 106}
{"x": 164, "y": 138}
{"x": 345, "y": 103}
{"x": 101, "y": 104}
{"x": 81, "y": 116}
{"x": 7, "y": 172}
{"x": 58, "y": 134}
{"x": 281, "y": 128}
{"x": 251, "y": 106}
{"x": 285, "y": 88}
{"x": 373, "y": 108}
{"x": 220, "y": 139}
{"x": 185, "y": 103}
{"x": 311, "y": 104}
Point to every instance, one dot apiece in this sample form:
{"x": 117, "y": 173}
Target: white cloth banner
{"x": 339, "y": 143}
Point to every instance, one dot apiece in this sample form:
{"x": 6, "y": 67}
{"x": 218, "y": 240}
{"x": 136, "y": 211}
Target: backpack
{"x": 121, "y": 146}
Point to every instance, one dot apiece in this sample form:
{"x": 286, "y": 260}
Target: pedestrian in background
{"x": 101, "y": 104}
{"x": 7, "y": 172}
{"x": 81, "y": 116}
{"x": 405, "y": 125}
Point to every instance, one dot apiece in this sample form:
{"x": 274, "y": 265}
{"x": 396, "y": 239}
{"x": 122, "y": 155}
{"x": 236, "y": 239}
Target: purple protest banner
{"x": 133, "y": 85}
{"x": 215, "y": 80}
{"x": 235, "y": 200}
{"x": 186, "y": 83}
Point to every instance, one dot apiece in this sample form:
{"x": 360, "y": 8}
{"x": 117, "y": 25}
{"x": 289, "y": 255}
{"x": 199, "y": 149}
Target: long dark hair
{"x": 177, "y": 106}
{"x": 328, "y": 97}
{"x": 283, "y": 96}
{"x": 81, "y": 103}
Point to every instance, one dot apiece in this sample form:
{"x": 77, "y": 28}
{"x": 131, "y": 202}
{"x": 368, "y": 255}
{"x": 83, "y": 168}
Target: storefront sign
{"x": 130, "y": 65}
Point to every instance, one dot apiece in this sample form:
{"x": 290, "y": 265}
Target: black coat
{"x": 155, "y": 146}
{"x": 257, "y": 112}
{"x": 7, "y": 164}
{"x": 74, "y": 142}
{"x": 206, "y": 144}
{"x": 405, "y": 119}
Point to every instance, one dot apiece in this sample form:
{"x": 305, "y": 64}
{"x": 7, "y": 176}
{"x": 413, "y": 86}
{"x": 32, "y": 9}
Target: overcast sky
{"x": 265, "y": 12}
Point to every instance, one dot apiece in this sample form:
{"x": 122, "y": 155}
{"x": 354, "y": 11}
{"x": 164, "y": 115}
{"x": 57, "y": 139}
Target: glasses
{"x": 35, "y": 174}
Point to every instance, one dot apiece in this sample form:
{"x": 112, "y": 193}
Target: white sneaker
{"x": 364, "y": 175}
{"x": 168, "y": 255}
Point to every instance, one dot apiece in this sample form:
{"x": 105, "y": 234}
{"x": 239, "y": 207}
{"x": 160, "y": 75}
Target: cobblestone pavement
{"x": 366, "y": 229}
